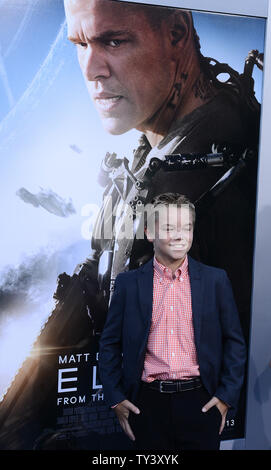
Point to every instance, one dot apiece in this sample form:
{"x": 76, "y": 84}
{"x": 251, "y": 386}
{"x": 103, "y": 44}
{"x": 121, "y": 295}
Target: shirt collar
{"x": 162, "y": 270}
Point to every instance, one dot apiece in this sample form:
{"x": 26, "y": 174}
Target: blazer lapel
{"x": 145, "y": 290}
{"x": 197, "y": 296}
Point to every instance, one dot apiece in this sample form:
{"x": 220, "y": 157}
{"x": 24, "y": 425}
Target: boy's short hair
{"x": 167, "y": 199}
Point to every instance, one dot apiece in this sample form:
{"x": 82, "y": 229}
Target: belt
{"x": 173, "y": 386}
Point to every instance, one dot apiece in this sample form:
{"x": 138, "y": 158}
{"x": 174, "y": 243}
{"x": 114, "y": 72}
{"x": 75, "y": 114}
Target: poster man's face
{"x": 127, "y": 65}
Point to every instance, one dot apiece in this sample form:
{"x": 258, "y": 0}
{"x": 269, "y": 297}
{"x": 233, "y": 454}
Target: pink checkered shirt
{"x": 171, "y": 352}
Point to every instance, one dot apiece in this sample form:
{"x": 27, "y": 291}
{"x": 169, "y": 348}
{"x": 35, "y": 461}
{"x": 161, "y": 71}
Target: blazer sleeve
{"x": 110, "y": 347}
{"x": 234, "y": 347}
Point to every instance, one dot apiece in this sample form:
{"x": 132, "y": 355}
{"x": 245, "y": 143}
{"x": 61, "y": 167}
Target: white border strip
{"x": 258, "y": 408}
{"x": 242, "y": 7}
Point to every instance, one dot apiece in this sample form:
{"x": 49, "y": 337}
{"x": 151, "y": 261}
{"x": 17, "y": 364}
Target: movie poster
{"x": 67, "y": 179}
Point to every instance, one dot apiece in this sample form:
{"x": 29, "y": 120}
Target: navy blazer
{"x": 219, "y": 341}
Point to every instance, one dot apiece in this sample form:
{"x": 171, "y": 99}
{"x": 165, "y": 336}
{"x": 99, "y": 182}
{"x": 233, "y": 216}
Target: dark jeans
{"x": 175, "y": 421}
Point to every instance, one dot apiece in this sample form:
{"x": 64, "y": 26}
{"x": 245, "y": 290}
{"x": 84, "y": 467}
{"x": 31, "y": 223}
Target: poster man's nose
{"x": 93, "y": 63}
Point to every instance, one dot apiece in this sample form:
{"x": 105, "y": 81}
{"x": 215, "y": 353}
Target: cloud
{"x": 19, "y": 283}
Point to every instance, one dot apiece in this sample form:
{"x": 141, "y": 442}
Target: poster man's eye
{"x": 115, "y": 42}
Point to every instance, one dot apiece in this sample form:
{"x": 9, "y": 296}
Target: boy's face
{"x": 172, "y": 233}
